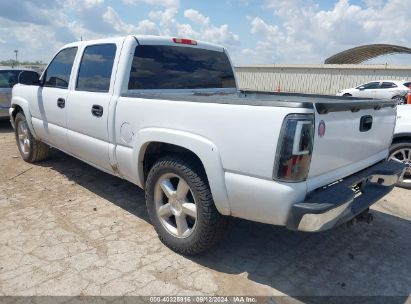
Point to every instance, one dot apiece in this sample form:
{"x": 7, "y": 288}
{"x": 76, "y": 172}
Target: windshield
{"x": 173, "y": 67}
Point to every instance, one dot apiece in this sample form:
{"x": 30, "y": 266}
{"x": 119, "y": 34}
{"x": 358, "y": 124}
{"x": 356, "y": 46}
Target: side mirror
{"x": 29, "y": 78}
{"x": 361, "y": 88}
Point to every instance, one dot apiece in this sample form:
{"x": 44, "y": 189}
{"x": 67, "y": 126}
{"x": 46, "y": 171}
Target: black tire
{"x": 36, "y": 150}
{"x": 400, "y": 99}
{"x": 347, "y": 95}
{"x": 209, "y": 224}
{"x": 396, "y": 148}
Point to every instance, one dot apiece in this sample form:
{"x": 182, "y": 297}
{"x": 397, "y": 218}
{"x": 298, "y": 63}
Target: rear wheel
{"x": 400, "y": 99}
{"x": 401, "y": 152}
{"x": 181, "y": 207}
{"x": 31, "y": 150}
{"x": 347, "y": 95}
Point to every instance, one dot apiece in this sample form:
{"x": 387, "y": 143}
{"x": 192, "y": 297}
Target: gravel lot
{"x": 69, "y": 229}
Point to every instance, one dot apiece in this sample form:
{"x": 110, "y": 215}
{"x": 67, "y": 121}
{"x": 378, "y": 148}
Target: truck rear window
{"x": 173, "y": 67}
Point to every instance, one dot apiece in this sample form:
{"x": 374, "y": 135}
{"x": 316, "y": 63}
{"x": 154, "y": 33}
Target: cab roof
{"x": 148, "y": 40}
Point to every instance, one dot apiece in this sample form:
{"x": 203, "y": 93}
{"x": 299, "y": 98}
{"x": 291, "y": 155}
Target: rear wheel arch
{"x": 401, "y": 138}
{"x": 400, "y": 99}
{"x": 154, "y": 143}
{"x": 155, "y": 150}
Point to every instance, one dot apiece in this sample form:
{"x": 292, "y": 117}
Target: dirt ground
{"x": 69, "y": 229}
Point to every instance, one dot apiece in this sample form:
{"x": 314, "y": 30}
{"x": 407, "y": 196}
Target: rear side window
{"x": 387, "y": 85}
{"x": 8, "y": 78}
{"x": 173, "y": 67}
{"x": 58, "y": 72}
{"x": 96, "y": 67}
{"x": 407, "y": 84}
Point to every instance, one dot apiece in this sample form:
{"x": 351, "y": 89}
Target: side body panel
{"x": 236, "y": 144}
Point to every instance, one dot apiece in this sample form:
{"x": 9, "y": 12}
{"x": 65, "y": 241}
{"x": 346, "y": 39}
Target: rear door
{"x": 352, "y": 141}
{"x": 87, "y": 110}
{"x": 386, "y": 90}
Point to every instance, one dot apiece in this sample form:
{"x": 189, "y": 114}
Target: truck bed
{"x": 323, "y": 103}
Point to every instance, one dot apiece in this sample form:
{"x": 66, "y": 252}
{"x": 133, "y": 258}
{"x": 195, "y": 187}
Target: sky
{"x": 254, "y": 31}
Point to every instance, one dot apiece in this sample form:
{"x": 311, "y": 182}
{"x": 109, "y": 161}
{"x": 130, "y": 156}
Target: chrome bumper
{"x": 331, "y": 206}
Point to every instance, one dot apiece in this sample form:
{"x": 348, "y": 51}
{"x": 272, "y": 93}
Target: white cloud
{"x": 164, "y": 3}
{"x": 168, "y": 25}
{"x": 145, "y": 26}
{"x": 82, "y": 4}
{"x": 304, "y": 33}
{"x": 196, "y": 17}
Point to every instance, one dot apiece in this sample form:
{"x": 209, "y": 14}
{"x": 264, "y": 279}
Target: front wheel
{"x": 181, "y": 207}
{"x": 31, "y": 150}
{"x": 401, "y": 152}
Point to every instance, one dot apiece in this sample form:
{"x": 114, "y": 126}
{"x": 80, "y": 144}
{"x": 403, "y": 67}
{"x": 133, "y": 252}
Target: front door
{"x": 87, "y": 111}
{"x": 48, "y": 110}
{"x": 367, "y": 90}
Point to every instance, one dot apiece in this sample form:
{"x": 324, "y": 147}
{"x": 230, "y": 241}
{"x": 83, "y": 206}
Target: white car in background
{"x": 380, "y": 89}
{"x": 401, "y": 145}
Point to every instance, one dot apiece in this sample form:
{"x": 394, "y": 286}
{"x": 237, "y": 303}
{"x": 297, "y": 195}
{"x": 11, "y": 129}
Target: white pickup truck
{"x": 165, "y": 114}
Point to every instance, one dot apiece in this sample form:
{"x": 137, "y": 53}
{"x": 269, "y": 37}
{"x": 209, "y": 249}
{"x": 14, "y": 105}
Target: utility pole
{"x": 16, "y": 51}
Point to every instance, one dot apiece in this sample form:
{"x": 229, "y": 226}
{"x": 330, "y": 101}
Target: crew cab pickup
{"x": 166, "y": 115}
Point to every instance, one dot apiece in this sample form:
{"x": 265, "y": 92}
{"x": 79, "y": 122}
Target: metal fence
{"x": 325, "y": 79}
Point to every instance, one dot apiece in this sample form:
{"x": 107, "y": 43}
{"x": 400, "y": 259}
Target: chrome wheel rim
{"x": 175, "y": 205}
{"x": 400, "y": 100}
{"x": 403, "y": 156}
{"x": 23, "y": 137}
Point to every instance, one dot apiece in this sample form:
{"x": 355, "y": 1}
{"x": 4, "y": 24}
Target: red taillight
{"x": 184, "y": 41}
{"x": 294, "y": 148}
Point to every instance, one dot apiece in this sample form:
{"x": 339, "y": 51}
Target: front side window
{"x": 96, "y": 67}
{"x": 59, "y": 70}
{"x": 173, "y": 67}
{"x": 8, "y": 78}
{"x": 370, "y": 85}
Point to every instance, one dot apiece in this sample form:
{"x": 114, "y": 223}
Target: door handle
{"x": 365, "y": 123}
{"x": 61, "y": 102}
{"x": 97, "y": 110}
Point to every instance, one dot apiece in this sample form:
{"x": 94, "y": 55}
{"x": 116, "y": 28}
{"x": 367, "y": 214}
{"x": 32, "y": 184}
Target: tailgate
{"x": 357, "y": 134}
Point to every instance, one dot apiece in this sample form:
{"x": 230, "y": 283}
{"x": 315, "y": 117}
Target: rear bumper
{"x": 337, "y": 203}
